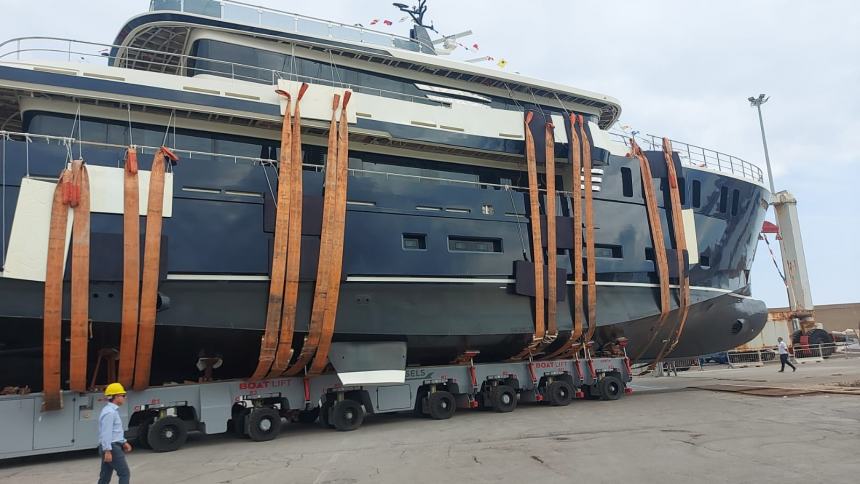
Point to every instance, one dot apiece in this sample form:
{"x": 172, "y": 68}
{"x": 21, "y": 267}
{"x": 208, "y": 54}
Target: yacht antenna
{"x": 416, "y": 12}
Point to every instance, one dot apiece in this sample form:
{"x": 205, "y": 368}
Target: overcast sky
{"x": 681, "y": 68}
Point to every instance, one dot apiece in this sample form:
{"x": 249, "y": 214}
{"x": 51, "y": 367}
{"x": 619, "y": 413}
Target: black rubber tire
{"x": 142, "y": 440}
{"x": 347, "y": 415}
{"x": 264, "y": 424}
{"x": 308, "y": 416}
{"x": 441, "y": 405}
{"x": 824, "y": 338}
{"x": 325, "y": 415}
{"x": 167, "y": 434}
{"x": 610, "y": 387}
{"x": 418, "y": 409}
{"x": 559, "y": 393}
{"x": 592, "y": 392}
{"x": 504, "y": 399}
{"x": 237, "y": 423}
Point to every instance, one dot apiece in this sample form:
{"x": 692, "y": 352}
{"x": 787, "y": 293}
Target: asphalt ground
{"x": 666, "y": 432}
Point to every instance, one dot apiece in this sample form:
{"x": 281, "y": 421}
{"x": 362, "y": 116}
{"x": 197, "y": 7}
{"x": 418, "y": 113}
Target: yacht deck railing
{"x": 73, "y": 146}
{"x": 697, "y": 156}
{"x": 95, "y": 53}
{"x": 85, "y": 52}
{"x": 254, "y": 15}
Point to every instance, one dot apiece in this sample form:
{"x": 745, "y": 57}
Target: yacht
{"x": 439, "y": 246}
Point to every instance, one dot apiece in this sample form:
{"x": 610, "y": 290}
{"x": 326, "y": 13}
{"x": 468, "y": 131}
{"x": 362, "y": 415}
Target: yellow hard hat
{"x": 114, "y": 389}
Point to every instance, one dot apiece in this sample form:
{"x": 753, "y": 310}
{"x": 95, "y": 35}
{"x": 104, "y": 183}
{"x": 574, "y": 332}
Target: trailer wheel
{"x": 418, "y": 409}
{"x": 308, "y": 416}
{"x": 237, "y": 423}
{"x": 441, "y": 405}
{"x": 592, "y": 392}
{"x": 610, "y": 387}
{"x": 347, "y": 415}
{"x": 325, "y": 415}
{"x": 264, "y": 424}
{"x": 142, "y": 436}
{"x": 167, "y": 434}
{"x": 559, "y": 393}
{"x": 504, "y": 399}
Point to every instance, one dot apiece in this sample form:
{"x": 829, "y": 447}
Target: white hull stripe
{"x": 425, "y": 280}
{"x": 215, "y": 277}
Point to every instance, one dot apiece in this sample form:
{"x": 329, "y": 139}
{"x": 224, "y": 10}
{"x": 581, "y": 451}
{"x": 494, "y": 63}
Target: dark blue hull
{"x": 412, "y": 244}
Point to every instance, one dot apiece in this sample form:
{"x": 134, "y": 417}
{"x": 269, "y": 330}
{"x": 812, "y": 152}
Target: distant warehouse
{"x": 833, "y": 317}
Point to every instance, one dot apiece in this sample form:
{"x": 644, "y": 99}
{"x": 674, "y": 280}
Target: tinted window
{"x": 697, "y": 193}
{"x": 116, "y": 132}
{"x": 474, "y": 244}
{"x": 736, "y": 196}
{"x": 414, "y": 241}
{"x": 627, "y": 182}
{"x": 608, "y": 251}
{"x": 256, "y": 65}
{"x": 365, "y": 164}
{"x": 724, "y": 199}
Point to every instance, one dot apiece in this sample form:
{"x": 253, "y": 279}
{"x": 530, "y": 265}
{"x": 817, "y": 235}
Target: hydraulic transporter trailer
{"x": 161, "y": 417}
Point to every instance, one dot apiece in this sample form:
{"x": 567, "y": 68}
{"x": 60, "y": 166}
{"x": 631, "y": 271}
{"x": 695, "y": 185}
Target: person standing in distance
{"x": 112, "y": 443}
{"x": 783, "y": 355}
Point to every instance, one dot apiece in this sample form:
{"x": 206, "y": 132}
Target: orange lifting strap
{"x": 572, "y": 345}
{"x": 681, "y": 247}
{"x": 576, "y": 199}
{"x": 537, "y": 244}
{"x": 52, "y": 317}
{"x": 581, "y": 181}
{"x": 294, "y": 242}
{"x": 324, "y": 269}
{"x": 551, "y": 243}
{"x": 657, "y": 240}
{"x": 590, "y": 269}
{"x": 337, "y": 235}
{"x": 80, "y": 277}
{"x": 269, "y": 342}
{"x": 130, "y": 268}
{"x": 151, "y": 256}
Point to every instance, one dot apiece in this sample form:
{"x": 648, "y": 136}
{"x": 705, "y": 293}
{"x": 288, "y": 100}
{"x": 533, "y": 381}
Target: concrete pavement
{"x": 665, "y": 432}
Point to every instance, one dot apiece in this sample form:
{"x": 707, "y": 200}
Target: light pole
{"x": 757, "y": 102}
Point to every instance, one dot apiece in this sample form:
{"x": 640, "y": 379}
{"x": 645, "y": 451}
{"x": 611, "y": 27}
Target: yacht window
{"x": 369, "y": 165}
{"x": 414, "y": 241}
{"x": 608, "y": 251}
{"x": 474, "y": 244}
{"x": 247, "y": 63}
{"x": 627, "y": 181}
{"x": 697, "y": 194}
{"x": 116, "y": 132}
{"x": 724, "y": 199}
{"x": 682, "y": 190}
{"x": 736, "y": 196}
{"x": 257, "y": 65}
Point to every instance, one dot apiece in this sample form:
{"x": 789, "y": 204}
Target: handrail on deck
{"x": 70, "y": 143}
{"x": 246, "y": 13}
{"x": 73, "y": 50}
{"x": 697, "y": 156}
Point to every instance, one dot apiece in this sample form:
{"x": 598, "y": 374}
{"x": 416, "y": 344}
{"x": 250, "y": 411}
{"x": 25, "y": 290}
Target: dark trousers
{"x": 118, "y": 464}
{"x": 784, "y": 360}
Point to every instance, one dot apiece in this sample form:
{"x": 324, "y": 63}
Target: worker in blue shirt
{"x": 112, "y": 444}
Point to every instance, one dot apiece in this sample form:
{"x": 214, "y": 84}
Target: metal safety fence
{"x": 745, "y": 358}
